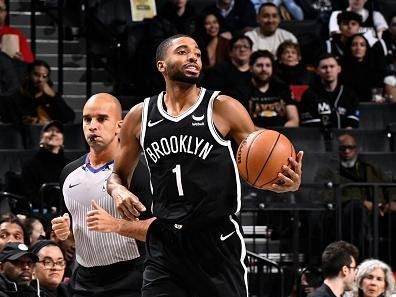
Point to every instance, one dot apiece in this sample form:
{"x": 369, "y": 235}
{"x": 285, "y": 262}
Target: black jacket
{"x": 12, "y": 289}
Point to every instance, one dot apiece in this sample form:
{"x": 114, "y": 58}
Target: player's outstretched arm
{"x": 100, "y": 220}
{"x": 232, "y": 119}
{"x": 125, "y": 163}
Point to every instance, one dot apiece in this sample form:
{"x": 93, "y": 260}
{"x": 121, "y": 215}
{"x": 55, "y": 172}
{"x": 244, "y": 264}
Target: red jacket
{"x": 23, "y": 43}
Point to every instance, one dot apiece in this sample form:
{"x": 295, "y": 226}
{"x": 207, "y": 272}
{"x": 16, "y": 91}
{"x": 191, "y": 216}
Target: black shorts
{"x": 206, "y": 262}
{"x": 123, "y": 279}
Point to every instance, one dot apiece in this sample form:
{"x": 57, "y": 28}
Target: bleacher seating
{"x": 376, "y": 116}
{"x": 368, "y": 140}
{"x": 11, "y": 137}
{"x": 305, "y": 139}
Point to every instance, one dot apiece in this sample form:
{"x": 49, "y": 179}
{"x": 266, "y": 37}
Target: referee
{"x": 108, "y": 264}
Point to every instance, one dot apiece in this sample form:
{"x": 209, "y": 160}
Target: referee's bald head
{"x": 107, "y": 99}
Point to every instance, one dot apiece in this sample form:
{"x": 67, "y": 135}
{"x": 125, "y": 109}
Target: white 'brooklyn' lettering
{"x": 182, "y": 144}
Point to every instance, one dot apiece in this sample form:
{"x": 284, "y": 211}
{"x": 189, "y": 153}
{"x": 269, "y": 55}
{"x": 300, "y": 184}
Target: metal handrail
{"x": 263, "y": 261}
{"x": 376, "y": 186}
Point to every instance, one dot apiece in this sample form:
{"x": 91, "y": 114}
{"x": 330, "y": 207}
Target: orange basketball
{"x": 260, "y": 157}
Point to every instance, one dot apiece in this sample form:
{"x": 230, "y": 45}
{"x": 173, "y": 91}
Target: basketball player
{"x": 194, "y": 246}
{"x": 108, "y": 264}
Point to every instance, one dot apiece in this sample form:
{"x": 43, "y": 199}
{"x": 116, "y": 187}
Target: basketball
{"x": 260, "y": 157}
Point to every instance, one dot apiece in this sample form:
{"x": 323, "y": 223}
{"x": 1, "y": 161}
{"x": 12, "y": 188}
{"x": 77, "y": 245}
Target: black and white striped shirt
{"x": 81, "y": 184}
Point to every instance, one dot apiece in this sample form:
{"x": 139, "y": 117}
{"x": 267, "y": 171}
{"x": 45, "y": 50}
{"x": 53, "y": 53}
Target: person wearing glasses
{"x": 16, "y": 270}
{"x": 339, "y": 269}
{"x": 50, "y": 268}
{"x": 358, "y": 201}
{"x": 374, "y": 278}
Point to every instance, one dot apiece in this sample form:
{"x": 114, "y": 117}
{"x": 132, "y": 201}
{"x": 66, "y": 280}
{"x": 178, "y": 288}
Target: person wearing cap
{"x": 50, "y": 268}
{"x": 37, "y": 102}
{"x": 46, "y": 165}
{"x": 16, "y": 270}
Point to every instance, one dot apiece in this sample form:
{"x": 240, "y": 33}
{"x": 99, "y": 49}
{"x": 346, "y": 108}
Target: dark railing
{"x": 46, "y": 204}
{"x": 258, "y": 266}
{"x": 58, "y": 19}
{"x": 377, "y": 187}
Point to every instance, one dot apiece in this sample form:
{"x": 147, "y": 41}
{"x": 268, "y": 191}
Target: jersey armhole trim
{"x": 143, "y": 125}
{"x": 211, "y": 124}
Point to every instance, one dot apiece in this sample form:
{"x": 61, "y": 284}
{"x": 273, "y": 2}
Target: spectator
{"x": 46, "y": 165}
{"x": 9, "y": 82}
{"x": 373, "y": 22}
{"x": 214, "y": 47}
{"x": 310, "y": 279}
{"x": 12, "y": 230}
{"x": 16, "y": 269}
{"x": 25, "y": 54}
{"x": 34, "y": 228}
{"x": 50, "y": 268}
{"x": 349, "y": 23}
{"x": 290, "y": 5}
{"x": 291, "y": 70}
{"x": 389, "y": 38}
{"x": 374, "y": 278}
{"x": 357, "y": 202}
{"x": 268, "y": 100}
{"x": 339, "y": 269}
{"x": 230, "y": 74}
{"x": 362, "y": 70}
{"x": 237, "y": 16}
{"x": 268, "y": 35}
{"x": 328, "y": 103}
{"x": 37, "y": 102}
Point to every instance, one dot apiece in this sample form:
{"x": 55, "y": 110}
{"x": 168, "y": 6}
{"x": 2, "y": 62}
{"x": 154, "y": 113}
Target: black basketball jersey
{"x": 194, "y": 176}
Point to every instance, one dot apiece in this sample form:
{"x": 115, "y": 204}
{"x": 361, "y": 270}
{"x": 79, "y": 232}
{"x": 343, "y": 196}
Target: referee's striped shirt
{"x": 82, "y": 184}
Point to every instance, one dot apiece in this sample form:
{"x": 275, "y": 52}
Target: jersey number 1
{"x": 177, "y": 171}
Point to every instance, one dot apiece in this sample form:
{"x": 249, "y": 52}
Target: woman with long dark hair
{"x": 359, "y": 68}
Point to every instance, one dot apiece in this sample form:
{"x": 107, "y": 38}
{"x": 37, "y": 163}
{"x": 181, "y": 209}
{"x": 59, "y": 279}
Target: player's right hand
{"x": 61, "y": 226}
{"x": 127, "y": 204}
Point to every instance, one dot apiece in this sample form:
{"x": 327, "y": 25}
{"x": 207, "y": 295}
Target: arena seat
{"x": 11, "y": 137}
{"x": 385, "y": 161}
{"x": 376, "y": 116}
{"x": 368, "y": 140}
{"x": 391, "y": 134}
{"x": 304, "y": 138}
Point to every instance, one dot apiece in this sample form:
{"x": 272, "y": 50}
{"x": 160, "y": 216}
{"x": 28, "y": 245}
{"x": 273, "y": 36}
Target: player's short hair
{"x": 261, "y": 54}
{"x": 164, "y": 45}
{"x": 336, "y": 255}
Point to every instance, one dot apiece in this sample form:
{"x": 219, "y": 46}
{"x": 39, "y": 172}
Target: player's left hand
{"x": 290, "y": 179}
{"x": 100, "y": 220}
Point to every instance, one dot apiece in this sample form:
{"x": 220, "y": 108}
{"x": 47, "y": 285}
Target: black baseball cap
{"x": 50, "y": 124}
{"x": 14, "y": 250}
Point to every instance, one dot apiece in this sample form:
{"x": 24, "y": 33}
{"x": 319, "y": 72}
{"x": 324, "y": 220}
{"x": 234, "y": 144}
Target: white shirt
{"x": 270, "y": 43}
{"x": 378, "y": 20}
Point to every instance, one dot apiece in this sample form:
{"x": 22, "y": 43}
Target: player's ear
{"x": 161, "y": 66}
{"x": 119, "y": 125}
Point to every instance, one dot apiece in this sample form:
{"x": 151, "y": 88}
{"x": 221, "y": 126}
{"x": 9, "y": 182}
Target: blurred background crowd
{"x": 323, "y": 72}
